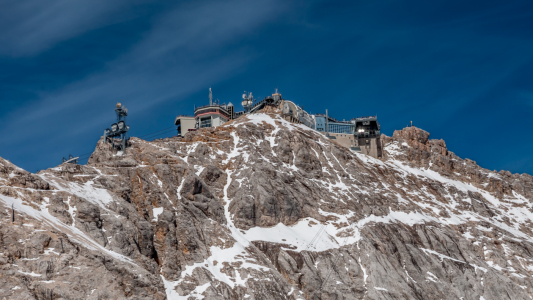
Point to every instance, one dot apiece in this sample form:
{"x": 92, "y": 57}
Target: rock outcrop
{"x": 264, "y": 209}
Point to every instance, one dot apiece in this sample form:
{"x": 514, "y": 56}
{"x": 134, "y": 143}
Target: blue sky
{"x": 461, "y": 70}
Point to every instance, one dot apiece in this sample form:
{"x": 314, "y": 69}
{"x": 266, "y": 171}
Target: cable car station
{"x": 359, "y": 134}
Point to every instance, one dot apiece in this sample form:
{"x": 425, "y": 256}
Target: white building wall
{"x": 218, "y": 121}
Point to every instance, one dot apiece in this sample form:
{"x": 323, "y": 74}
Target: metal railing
{"x": 363, "y": 135}
{"x": 208, "y": 109}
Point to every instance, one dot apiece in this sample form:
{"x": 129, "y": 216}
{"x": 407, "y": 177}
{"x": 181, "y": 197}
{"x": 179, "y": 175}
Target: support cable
{"x": 173, "y": 127}
{"x": 159, "y": 134}
{"x": 315, "y": 238}
{"x": 334, "y": 263}
{"x": 147, "y": 136}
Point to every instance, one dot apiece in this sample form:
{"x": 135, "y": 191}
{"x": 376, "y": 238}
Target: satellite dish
{"x": 114, "y": 127}
{"x": 121, "y": 125}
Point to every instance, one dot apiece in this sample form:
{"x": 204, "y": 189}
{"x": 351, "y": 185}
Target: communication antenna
{"x": 118, "y": 130}
{"x": 276, "y": 96}
{"x": 247, "y": 100}
{"x": 210, "y": 97}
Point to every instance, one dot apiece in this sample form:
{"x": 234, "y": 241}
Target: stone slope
{"x": 264, "y": 209}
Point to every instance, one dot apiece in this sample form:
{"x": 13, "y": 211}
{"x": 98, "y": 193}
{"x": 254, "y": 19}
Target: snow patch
{"x": 156, "y": 212}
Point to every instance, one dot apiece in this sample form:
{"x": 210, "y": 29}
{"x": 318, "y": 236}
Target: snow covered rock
{"x": 264, "y": 209}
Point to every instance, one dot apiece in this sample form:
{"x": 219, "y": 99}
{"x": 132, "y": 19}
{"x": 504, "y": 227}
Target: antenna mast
{"x": 210, "y": 97}
{"x": 118, "y": 130}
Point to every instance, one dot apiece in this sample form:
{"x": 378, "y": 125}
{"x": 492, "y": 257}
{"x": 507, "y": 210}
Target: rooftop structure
{"x": 290, "y": 111}
{"x": 273, "y": 101}
{"x": 184, "y": 124}
{"x": 361, "y": 134}
{"x": 325, "y": 123}
{"x": 212, "y": 115}
{"x": 367, "y": 132}
{"x": 340, "y": 131}
{"x": 367, "y": 126}
{"x": 294, "y": 113}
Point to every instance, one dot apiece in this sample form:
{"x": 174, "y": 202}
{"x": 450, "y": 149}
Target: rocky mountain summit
{"x": 261, "y": 208}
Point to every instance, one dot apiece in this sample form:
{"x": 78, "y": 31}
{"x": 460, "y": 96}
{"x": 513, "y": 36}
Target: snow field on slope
{"x": 259, "y": 118}
{"x": 73, "y": 233}
{"x": 517, "y": 215}
{"x": 87, "y": 191}
{"x": 238, "y": 252}
{"x": 304, "y": 235}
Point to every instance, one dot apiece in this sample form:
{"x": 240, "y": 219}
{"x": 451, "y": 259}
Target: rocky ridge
{"x": 264, "y": 209}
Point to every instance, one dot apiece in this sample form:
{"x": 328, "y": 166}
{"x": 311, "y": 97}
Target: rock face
{"x": 264, "y": 209}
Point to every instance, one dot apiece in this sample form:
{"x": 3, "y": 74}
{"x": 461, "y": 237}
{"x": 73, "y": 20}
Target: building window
{"x": 340, "y": 128}
{"x": 205, "y": 122}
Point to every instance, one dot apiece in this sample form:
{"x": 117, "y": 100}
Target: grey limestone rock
{"x": 264, "y": 209}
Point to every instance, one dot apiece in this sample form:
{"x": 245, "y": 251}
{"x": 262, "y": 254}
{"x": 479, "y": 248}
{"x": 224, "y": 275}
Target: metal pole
{"x": 327, "y": 123}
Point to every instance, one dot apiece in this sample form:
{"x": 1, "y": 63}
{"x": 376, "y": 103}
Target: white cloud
{"x": 178, "y": 56}
{"x": 29, "y": 27}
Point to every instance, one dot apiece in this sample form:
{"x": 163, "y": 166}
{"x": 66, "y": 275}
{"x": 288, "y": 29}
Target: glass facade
{"x": 320, "y": 124}
{"x": 333, "y": 127}
{"x": 205, "y": 122}
{"x": 341, "y": 128}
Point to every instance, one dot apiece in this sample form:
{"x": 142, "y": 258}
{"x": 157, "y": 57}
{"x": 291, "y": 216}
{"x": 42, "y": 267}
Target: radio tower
{"x": 119, "y": 130}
